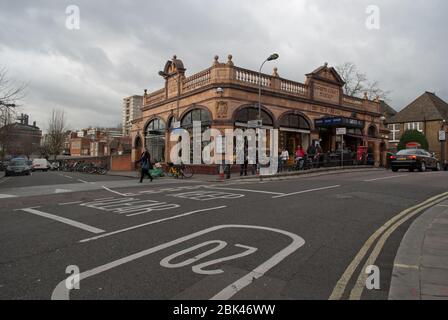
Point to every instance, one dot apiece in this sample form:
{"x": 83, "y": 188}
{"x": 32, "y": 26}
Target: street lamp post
{"x": 442, "y": 144}
{"x": 272, "y": 57}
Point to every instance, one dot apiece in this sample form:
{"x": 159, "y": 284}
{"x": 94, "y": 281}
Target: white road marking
{"x": 62, "y": 191}
{"x": 68, "y": 203}
{"x": 246, "y": 190}
{"x": 406, "y": 266}
{"x": 199, "y": 268}
{"x": 65, "y": 176}
{"x": 119, "y": 193}
{"x": 83, "y": 181}
{"x": 150, "y": 223}
{"x": 5, "y": 196}
{"x": 166, "y": 262}
{"x": 70, "y": 222}
{"x": 385, "y": 178}
{"x": 61, "y": 292}
{"x": 305, "y": 191}
{"x": 204, "y": 195}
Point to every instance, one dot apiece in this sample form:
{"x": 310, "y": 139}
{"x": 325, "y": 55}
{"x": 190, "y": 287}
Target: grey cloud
{"x": 122, "y": 45}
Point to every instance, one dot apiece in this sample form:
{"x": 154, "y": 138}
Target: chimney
{"x": 26, "y": 119}
{"x": 34, "y": 123}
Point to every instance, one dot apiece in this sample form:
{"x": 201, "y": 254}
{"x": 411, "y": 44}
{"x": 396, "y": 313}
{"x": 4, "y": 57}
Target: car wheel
{"x": 422, "y": 167}
{"x": 411, "y": 169}
{"x": 438, "y": 167}
{"x": 394, "y": 169}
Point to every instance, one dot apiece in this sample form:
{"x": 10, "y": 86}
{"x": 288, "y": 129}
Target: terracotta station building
{"x": 226, "y": 96}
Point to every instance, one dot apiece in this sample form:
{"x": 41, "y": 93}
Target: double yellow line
{"x": 383, "y": 233}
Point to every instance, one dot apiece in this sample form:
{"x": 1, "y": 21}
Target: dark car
{"x": 414, "y": 159}
{"x": 18, "y": 167}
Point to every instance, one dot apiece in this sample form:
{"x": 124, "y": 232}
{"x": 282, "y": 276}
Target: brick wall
{"x": 121, "y": 163}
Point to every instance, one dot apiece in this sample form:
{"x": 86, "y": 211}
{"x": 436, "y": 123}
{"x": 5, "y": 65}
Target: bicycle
{"x": 181, "y": 170}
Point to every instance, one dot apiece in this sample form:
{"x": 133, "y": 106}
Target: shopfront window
{"x": 294, "y": 131}
{"x": 155, "y": 140}
{"x": 205, "y": 117}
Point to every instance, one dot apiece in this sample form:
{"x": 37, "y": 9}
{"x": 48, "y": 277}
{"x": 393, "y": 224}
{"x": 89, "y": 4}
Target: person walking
{"x": 145, "y": 164}
{"x": 284, "y": 157}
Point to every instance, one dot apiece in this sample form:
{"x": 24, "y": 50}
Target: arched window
{"x": 205, "y": 118}
{"x": 196, "y": 115}
{"x": 155, "y": 139}
{"x": 372, "y": 131}
{"x": 294, "y": 121}
{"x": 251, "y": 113}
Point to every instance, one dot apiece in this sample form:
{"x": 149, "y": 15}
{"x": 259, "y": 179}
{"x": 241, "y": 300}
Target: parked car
{"x": 41, "y": 164}
{"x": 414, "y": 159}
{"x": 18, "y": 166}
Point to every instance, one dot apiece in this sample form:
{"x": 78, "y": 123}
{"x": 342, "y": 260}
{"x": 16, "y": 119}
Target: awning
{"x": 342, "y": 122}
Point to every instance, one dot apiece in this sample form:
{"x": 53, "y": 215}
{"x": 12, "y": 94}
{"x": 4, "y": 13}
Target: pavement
{"x": 421, "y": 265}
{"x": 278, "y": 176}
{"x": 303, "y": 237}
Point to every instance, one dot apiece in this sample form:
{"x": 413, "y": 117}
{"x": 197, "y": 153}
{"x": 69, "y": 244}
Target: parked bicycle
{"x": 179, "y": 171}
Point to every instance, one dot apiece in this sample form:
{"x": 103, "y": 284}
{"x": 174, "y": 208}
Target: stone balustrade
{"x": 154, "y": 97}
{"x": 197, "y": 80}
{"x": 227, "y": 73}
{"x": 252, "y": 78}
{"x": 293, "y": 87}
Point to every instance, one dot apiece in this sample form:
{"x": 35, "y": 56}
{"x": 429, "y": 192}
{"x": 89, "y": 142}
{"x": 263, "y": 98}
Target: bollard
{"x": 221, "y": 172}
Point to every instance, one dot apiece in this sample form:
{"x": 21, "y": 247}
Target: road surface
{"x": 302, "y": 238}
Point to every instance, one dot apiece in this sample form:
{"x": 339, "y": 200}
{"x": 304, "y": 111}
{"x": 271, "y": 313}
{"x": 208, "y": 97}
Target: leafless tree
{"x": 10, "y": 94}
{"x": 357, "y": 83}
{"x": 56, "y": 133}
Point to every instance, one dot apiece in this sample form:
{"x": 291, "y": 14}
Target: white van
{"x": 40, "y": 164}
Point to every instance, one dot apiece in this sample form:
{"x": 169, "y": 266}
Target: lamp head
{"x": 273, "y": 56}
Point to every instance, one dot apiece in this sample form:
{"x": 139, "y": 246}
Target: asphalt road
{"x": 169, "y": 239}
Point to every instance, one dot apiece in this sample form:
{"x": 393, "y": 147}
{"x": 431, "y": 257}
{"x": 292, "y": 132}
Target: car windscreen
{"x": 16, "y": 163}
{"x": 407, "y": 152}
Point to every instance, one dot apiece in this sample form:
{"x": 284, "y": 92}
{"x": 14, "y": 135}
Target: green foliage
{"x": 412, "y": 136}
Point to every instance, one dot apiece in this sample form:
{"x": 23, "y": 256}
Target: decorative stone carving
{"x": 222, "y": 109}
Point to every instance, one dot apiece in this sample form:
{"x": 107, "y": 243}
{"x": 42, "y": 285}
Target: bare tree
{"x": 56, "y": 133}
{"x": 357, "y": 83}
{"x": 10, "y": 94}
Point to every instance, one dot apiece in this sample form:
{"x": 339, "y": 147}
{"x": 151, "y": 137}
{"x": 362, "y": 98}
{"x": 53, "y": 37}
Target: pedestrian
{"x": 300, "y": 157}
{"x": 284, "y": 157}
{"x": 318, "y": 156}
{"x": 145, "y": 164}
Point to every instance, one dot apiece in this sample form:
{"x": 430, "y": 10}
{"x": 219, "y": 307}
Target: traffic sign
{"x": 341, "y": 131}
{"x": 254, "y": 123}
{"x": 442, "y": 135}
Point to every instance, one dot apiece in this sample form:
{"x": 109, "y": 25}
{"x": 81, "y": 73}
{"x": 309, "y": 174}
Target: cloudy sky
{"x": 121, "y": 45}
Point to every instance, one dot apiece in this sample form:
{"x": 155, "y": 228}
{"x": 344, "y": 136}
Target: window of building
{"x": 155, "y": 139}
{"x": 394, "y": 132}
{"x": 414, "y": 126}
{"x": 194, "y": 115}
{"x": 251, "y": 113}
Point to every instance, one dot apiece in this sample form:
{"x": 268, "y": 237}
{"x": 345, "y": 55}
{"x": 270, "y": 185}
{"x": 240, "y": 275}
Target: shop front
{"x": 331, "y": 142}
